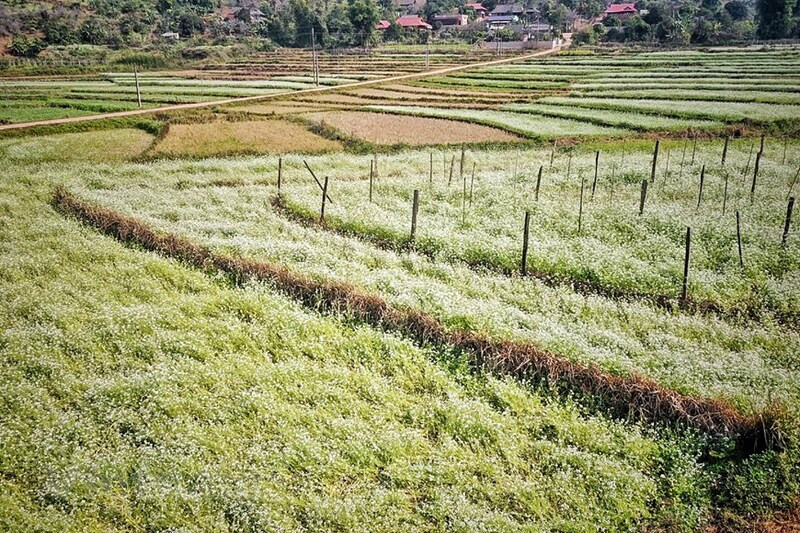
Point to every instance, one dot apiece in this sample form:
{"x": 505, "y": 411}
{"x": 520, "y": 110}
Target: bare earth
{"x": 225, "y": 138}
{"x": 388, "y": 129}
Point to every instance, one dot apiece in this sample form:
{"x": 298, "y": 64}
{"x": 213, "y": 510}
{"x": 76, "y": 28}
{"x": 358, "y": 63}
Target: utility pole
{"x": 314, "y": 65}
{"x": 138, "y": 92}
{"x": 428, "y": 53}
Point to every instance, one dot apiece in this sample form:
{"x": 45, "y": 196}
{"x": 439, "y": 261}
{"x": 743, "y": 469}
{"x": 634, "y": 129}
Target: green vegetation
{"x": 170, "y": 399}
{"x": 259, "y": 369}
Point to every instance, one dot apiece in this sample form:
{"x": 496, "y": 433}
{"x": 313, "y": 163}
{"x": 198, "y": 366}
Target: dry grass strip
{"x": 241, "y": 137}
{"x": 630, "y": 397}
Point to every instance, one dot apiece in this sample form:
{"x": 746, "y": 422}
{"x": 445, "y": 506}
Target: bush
{"x": 23, "y": 46}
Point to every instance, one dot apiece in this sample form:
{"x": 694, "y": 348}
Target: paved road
{"x": 273, "y": 96}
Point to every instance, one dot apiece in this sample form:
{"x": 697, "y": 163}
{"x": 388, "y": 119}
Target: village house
{"x": 450, "y": 20}
{"x": 413, "y": 22}
{"x": 620, "y": 11}
{"x": 480, "y": 11}
{"x": 497, "y": 22}
{"x": 506, "y": 10}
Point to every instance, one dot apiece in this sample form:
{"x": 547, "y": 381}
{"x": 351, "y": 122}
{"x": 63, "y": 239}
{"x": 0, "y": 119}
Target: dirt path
{"x": 273, "y": 96}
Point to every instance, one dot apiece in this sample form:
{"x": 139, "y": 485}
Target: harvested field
{"x": 278, "y": 108}
{"x": 221, "y": 138}
{"x": 386, "y": 129}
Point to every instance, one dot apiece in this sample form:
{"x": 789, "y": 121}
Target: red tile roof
{"x": 477, "y": 6}
{"x": 616, "y": 9}
{"x": 412, "y": 21}
{"x": 382, "y": 25}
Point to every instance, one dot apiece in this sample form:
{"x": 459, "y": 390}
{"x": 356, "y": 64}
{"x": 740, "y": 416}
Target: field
{"x": 193, "y": 338}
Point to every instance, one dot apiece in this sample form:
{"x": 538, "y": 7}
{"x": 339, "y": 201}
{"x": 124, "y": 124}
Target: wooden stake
{"x": 788, "y": 222}
{"x": 553, "y": 153}
{"x": 683, "y": 158}
{"x": 655, "y": 162}
{"x": 643, "y": 197}
{"x": 725, "y": 149}
{"x": 580, "y": 206}
{"x": 315, "y": 178}
{"x": 596, "y": 168}
{"x": 414, "y": 211}
{"x": 694, "y": 148}
{"x": 461, "y": 164}
{"x": 464, "y": 200}
{"x": 324, "y": 196}
{"x": 538, "y": 183}
{"x": 371, "y": 175}
{"x": 685, "y": 288}
{"x": 523, "y": 267}
{"x": 739, "y": 238}
{"x": 452, "y": 164}
{"x": 755, "y": 175}
{"x": 138, "y": 91}
{"x": 702, "y": 181}
{"x": 472, "y": 184}
{"x": 569, "y": 165}
{"x": 749, "y": 158}
{"x": 725, "y": 194}
{"x": 785, "y": 142}
{"x": 666, "y": 170}
{"x": 791, "y": 185}
{"x": 763, "y": 138}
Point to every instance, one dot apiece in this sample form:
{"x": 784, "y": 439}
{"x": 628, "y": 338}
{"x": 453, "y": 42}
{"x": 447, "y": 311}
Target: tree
{"x": 737, "y": 10}
{"x": 23, "y": 46}
{"x": 636, "y": 29}
{"x": 59, "y": 30}
{"x": 364, "y": 15}
{"x": 93, "y": 31}
{"x": 774, "y": 18}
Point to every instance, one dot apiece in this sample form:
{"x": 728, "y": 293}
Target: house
{"x": 451, "y": 19}
{"x": 505, "y": 10}
{"x": 478, "y": 8}
{"x": 175, "y": 36}
{"x": 412, "y": 21}
{"x": 496, "y": 22}
{"x": 620, "y": 11}
{"x": 382, "y": 25}
{"x": 538, "y": 28}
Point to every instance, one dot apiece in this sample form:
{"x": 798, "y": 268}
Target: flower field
{"x": 196, "y": 336}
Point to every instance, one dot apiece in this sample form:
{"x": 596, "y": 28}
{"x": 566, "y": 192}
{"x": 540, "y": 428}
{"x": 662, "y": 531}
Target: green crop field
{"x": 238, "y": 318}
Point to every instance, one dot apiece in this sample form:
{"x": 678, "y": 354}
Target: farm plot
{"x": 626, "y": 119}
{"x": 619, "y": 252}
{"x": 726, "y": 111}
{"x": 384, "y": 129}
{"x": 732, "y": 358}
{"x": 237, "y": 137}
{"x": 525, "y": 124}
{"x": 43, "y": 99}
{"x": 736, "y": 77}
{"x": 160, "y": 369}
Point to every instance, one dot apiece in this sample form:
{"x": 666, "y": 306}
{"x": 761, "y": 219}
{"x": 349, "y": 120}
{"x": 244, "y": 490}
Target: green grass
{"x": 604, "y": 117}
{"x": 727, "y": 111}
{"x": 528, "y": 125}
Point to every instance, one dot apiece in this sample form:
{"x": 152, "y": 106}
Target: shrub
{"x": 23, "y": 46}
